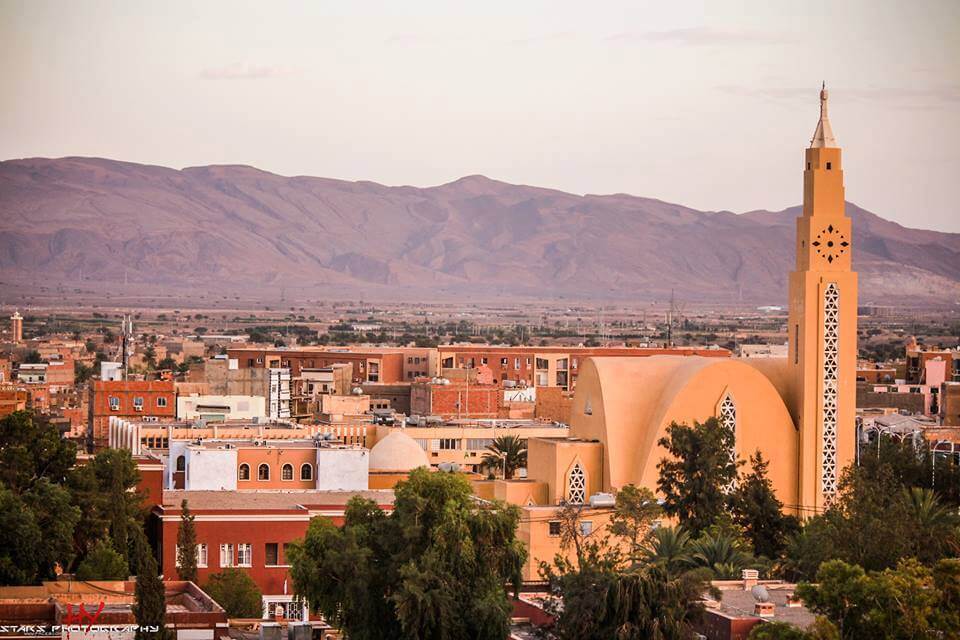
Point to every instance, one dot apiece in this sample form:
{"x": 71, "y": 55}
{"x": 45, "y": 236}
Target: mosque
{"x": 799, "y": 411}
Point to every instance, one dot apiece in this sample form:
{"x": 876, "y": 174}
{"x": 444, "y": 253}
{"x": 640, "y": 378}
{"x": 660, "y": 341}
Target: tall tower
{"x": 16, "y": 327}
{"x": 823, "y": 324}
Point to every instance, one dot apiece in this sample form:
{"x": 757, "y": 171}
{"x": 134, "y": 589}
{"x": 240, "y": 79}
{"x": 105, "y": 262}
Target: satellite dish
{"x": 760, "y": 593}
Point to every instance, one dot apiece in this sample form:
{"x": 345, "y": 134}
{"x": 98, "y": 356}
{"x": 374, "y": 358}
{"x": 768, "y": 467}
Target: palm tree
{"x": 507, "y": 453}
{"x": 720, "y": 552}
{"x": 668, "y": 548}
{"x": 935, "y": 523}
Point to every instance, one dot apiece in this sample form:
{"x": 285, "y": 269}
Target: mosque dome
{"x": 397, "y": 452}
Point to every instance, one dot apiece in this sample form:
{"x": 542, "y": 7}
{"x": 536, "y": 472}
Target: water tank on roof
{"x": 602, "y": 500}
{"x": 357, "y": 391}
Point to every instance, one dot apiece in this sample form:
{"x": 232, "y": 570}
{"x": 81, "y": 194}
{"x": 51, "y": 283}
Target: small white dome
{"x": 397, "y": 452}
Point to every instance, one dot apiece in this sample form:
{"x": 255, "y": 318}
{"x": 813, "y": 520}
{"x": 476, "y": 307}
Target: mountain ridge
{"x": 227, "y": 226}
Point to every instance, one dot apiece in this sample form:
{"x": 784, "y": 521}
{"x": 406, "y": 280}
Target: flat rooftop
{"x": 737, "y": 603}
{"x": 307, "y": 443}
{"x": 302, "y": 500}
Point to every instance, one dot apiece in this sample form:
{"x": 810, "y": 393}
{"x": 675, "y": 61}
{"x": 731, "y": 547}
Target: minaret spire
{"x": 823, "y": 136}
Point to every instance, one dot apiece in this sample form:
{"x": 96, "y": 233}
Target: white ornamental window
{"x": 831, "y": 362}
{"x": 577, "y": 485}
{"x": 727, "y": 417}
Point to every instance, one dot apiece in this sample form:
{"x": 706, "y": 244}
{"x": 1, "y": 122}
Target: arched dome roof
{"x": 397, "y": 452}
{"x": 627, "y": 403}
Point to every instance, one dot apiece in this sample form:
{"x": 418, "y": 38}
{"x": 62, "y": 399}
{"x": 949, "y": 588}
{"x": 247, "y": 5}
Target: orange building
{"x": 148, "y": 400}
{"x": 12, "y": 399}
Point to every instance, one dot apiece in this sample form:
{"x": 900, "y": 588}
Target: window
{"x": 201, "y": 550}
{"x": 516, "y": 363}
{"x": 249, "y": 362}
{"x": 245, "y": 555}
{"x": 447, "y": 444}
{"x": 306, "y": 471}
{"x": 829, "y": 166}
{"x": 586, "y": 527}
{"x": 478, "y": 444}
{"x": 161, "y": 401}
{"x": 808, "y": 166}
{"x": 181, "y": 464}
{"x": 554, "y": 528}
{"x": 263, "y": 472}
{"x": 542, "y": 363}
{"x": 271, "y": 554}
{"x": 504, "y": 362}
{"x": 483, "y": 361}
{"x": 226, "y": 555}
{"x": 243, "y": 473}
{"x": 114, "y": 403}
{"x": 577, "y": 485}
{"x": 138, "y": 403}
{"x": 286, "y": 472}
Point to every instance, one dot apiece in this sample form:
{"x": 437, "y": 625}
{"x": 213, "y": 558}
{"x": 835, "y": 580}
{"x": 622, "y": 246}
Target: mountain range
{"x": 228, "y": 227}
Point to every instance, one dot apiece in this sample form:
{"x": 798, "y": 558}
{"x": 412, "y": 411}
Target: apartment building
{"x": 142, "y": 400}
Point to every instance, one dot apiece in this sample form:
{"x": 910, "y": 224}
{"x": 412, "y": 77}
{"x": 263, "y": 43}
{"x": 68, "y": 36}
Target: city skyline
{"x": 610, "y": 101}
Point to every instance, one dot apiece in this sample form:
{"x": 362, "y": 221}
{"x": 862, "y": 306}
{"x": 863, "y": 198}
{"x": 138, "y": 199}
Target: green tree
{"x": 19, "y": 535}
{"x": 167, "y": 363}
{"x": 150, "y": 607}
{"x": 57, "y": 518}
{"x": 910, "y": 601}
{"x": 103, "y": 563}
{"x": 433, "y": 568}
{"x": 507, "y": 454}
{"x": 32, "y": 449}
{"x": 693, "y": 479}
{"x": 634, "y": 513}
{"x": 721, "y": 552}
{"x": 775, "y": 630}
{"x": 934, "y": 525}
{"x": 186, "y": 545}
{"x": 236, "y": 592}
{"x": 669, "y": 548}
{"x": 755, "y": 507}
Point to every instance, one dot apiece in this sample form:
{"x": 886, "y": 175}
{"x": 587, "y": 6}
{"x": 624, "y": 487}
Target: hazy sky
{"x": 697, "y": 103}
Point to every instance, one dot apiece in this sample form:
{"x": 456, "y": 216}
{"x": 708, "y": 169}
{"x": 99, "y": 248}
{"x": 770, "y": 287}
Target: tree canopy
{"x": 434, "y": 568}
{"x": 235, "y": 591}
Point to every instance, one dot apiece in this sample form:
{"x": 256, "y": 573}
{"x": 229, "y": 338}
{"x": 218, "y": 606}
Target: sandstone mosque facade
{"x": 799, "y": 412}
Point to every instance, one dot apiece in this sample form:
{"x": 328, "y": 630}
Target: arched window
{"x": 263, "y": 472}
{"x": 286, "y": 472}
{"x": 181, "y": 463}
{"x": 243, "y": 473}
{"x": 306, "y": 472}
{"x": 577, "y": 485}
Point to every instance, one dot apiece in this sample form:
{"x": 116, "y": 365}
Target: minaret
{"x": 16, "y": 327}
{"x": 823, "y": 324}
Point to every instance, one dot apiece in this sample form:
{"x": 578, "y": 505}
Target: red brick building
{"x": 148, "y": 400}
{"x": 368, "y": 366}
{"x": 549, "y": 366}
{"x": 451, "y": 399}
{"x": 251, "y": 531}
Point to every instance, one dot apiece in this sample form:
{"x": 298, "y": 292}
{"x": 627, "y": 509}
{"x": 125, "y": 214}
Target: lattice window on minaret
{"x": 577, "y": 485}
{"x": 727, "y": 417}
{"x": 831, "y": 362}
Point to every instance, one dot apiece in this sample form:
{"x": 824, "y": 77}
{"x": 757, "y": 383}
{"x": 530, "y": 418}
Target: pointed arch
{"x": 576, "y": 485}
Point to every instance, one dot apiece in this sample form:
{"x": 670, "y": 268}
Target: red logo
{"x": 82, "y": 616}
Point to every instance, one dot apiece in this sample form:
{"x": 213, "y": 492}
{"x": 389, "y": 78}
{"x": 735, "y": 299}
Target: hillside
{"x": 235, "y": 227}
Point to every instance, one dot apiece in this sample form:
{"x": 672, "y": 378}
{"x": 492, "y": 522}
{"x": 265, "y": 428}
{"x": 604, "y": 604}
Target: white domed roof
{"x": 397, "y": 452}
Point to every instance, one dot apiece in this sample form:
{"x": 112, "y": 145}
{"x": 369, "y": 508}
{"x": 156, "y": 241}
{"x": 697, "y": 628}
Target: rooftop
{"x": 302, "y": 500}
{"x": 735, "y": 602}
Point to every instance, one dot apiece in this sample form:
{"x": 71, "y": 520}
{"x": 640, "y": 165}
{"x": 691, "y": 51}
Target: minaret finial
{"x": 823, "y": 136}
